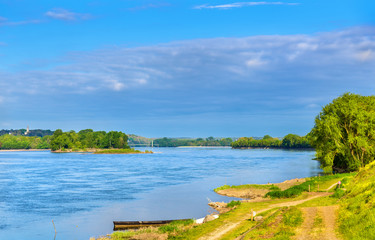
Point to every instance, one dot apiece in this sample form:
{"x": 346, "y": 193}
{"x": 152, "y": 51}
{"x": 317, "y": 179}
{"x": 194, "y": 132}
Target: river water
{"x": 84, "y": 193}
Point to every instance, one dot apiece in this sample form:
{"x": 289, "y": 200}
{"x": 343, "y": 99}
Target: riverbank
{"x": 318, "y": 204}
{"x": 171, "y": 185}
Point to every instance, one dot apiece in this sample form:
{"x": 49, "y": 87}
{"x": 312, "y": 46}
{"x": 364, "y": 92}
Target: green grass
{"x": 293, "y": 217}
{"x": 232, "y": 216}
{"x": 233, "y": 203}
{"x": 312, "y": 184}
{"x": 357, "y": 211}
{"x": 248, "y": 186}
{"x": 281, "y": 229}
{"x": 171, "y": 229}
{"x": 279, "y": 226}
{"x": 176, "y": 226}
{"x": 125, "y": 235}
{"x": 318, "y": 202}
{"x": 246, "y": 225}
{"x": 293, "y": 191}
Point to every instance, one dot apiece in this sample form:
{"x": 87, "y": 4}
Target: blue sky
{"x": 181, "y": 68}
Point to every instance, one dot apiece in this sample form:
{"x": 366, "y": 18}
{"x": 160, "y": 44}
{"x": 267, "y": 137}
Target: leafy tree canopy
{"x": 344, "y": 133}
{"x": 88, "y": 139}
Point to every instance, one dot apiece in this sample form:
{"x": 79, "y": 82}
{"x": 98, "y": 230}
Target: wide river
{"x": 84, "y": 193}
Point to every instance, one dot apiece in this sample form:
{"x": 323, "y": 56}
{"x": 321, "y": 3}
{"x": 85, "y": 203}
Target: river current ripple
{"x": 84, "y": 193}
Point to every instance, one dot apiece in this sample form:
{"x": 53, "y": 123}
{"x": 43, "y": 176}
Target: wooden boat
{"x": 123, "y": 225}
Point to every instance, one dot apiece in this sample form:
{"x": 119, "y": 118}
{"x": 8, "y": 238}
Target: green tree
{"x": 267, "y": 137}
{"x": 344, "y": 133}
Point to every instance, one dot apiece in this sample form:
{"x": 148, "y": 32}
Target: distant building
{"x": 27, "y": 130}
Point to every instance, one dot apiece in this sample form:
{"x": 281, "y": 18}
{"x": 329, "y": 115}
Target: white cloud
{"x": 290, "y": 61}
{"x": 141, "y": 81}
{"x": 63, "y": 14}
{"x": 116, "y": 85}
{"x": 240, "y": 5}
{"x": 365, "y": 55}
{"x": 255, "y": 63}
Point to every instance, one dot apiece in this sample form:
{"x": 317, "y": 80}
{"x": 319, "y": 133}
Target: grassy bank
{"x": 286, "y": 217}
{"x": 357, "y": 208}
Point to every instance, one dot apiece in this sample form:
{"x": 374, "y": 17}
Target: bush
{"x": 233, "y": 203}
{"x": 339, "y": 193}
{"x": 274, "y": 188}
{"x": 292, "y": 191}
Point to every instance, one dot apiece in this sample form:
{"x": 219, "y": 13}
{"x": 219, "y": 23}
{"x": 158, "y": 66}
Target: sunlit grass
{"x": 357, "y": 211}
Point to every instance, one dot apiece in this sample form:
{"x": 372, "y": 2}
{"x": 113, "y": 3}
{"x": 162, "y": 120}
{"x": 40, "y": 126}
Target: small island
{"x": 87, "y": 140}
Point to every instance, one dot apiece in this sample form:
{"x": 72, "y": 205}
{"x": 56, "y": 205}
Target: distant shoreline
{"x": 24, "y": 150}
{"x": 202, "y": 147}
{"x": 281, "y": 148}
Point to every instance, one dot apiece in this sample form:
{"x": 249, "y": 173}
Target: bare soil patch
{"x": 258, "y": 193}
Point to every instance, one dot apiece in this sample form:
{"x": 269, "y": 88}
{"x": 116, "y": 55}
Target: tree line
{"x": 343, "y": 137}
{"x": 8, "y": 142}
{"x": 177, "y": 142}
{"x": 86, "y": 139}
{"x": 290, "y": 141}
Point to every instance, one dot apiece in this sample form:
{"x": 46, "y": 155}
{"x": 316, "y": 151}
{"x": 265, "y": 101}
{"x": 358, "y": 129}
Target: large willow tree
{"x": 344, "y": 133}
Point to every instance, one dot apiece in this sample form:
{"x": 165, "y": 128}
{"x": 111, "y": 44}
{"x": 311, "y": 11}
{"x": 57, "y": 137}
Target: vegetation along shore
{"x": 332, "y": 206}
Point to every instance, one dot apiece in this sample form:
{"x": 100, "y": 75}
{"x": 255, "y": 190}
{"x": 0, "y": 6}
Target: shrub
{"x": 233, "y": 203}
{"x": 292, "y": 191}
{"x": 339, "y": 193}
{"x": 168, "y": 228}
{"x": 274, "y": 188}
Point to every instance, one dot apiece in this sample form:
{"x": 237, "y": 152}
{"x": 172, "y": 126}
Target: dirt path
{"x": 319, "y": 224}
{"x": 219, "y": 232}
{"x": 329, "y": 220}
{"x": 304, "y": 233}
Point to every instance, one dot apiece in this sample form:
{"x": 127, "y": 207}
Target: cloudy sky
{"x": 181, "y": 68}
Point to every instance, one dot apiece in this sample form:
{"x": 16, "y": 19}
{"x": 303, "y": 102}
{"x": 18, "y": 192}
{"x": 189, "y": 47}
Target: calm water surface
{"x": 84, "y": 193}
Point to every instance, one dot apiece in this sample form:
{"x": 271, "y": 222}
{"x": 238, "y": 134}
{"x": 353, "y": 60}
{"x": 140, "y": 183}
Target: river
{"x": 84, "y": 193}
